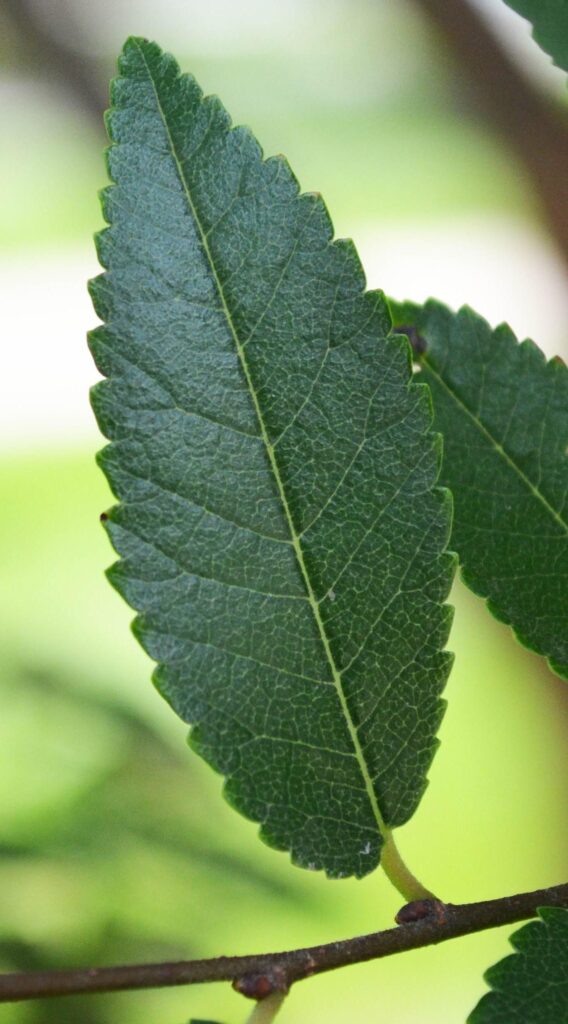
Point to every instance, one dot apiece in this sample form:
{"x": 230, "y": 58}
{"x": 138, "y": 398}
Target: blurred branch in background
{"x": 535, "y": 127}
{"x": 52, "y": 57}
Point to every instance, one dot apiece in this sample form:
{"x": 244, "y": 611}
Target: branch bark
{"x": 426, "y": 923}
{"x": 77, "y": 73}
{"x": 535, "y": 127}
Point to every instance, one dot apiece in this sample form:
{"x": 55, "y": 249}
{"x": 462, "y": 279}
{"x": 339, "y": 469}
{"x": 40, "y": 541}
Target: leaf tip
{"x": 133, "y": 45}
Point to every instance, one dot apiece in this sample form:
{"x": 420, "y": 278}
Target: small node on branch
{"x": 418, "y": 910}
{"x": 260, "y": 986}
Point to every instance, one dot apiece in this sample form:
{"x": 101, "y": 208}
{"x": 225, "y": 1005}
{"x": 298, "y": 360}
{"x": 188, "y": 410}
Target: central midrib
{"x": 496, "y": 445}
{"x": 336, "y": 674}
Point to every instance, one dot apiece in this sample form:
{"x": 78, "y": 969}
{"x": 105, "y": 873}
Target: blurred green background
{"x": 115, "y": 842}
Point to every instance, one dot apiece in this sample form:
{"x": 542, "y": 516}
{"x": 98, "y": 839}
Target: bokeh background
{"x": 115, "y": 842}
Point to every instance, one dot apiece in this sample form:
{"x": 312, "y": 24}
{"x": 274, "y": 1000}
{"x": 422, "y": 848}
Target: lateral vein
{"x": 382, "y": 828}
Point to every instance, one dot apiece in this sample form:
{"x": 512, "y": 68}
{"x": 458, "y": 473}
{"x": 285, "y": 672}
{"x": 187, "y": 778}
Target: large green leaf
{"x": 503, "y": 413}
{"x": 550, "y": 25}
{"x": 531, "y": 986}
{"x": 280, "y": 532}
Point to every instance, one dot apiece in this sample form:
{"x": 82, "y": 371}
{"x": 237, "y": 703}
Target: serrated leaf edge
{"x": 557, "y": 366}
{"x": 388, "y": 851}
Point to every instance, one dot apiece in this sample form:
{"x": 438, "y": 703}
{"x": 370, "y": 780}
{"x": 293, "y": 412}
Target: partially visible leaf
{"x": 531, "y": 985}
{"x": 280, "y": 530}
{"x": 550, "y": 25}
{"x": 503, "y": 413}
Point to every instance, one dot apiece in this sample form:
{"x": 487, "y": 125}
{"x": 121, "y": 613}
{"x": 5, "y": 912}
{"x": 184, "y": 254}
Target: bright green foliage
{"x": 279, "y": 528}
{"x": 550, "y": 25}
{"x": 503, "y": 413}
{"x": 531, "y": 986}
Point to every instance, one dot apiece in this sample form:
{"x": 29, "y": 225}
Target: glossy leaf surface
{"x": 280, "y": 533}
{"x": 503, "y": 413}
{"x": 531, "y": 986}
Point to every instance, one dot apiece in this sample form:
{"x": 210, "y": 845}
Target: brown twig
{"x": 259, "y": 975}
{"x": 535, "y": 127}
{"x": 79, "y": 74}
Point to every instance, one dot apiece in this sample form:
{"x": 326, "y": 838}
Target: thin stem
{"x": 73, "y": 68}
{"x": 535, "y": 127}
{"x": 266, "y": 1010}
{"x": 275, "y": 972}
{"x": 397, "y": 872}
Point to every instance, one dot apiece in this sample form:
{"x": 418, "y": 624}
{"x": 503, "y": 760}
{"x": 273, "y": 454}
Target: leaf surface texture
{"x": 280, "y": 533}
{"x": 503, "y": 413}
{"x": 531, "y": 986}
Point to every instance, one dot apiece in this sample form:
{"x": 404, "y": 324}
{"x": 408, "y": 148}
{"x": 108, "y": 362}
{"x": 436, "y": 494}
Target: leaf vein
{"x": 498, "y": 447}
{"x": 275, "y": 469}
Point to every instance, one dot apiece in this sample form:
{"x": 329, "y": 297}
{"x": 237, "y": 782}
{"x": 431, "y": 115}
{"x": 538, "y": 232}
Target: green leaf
{"x": 550, "y": 25}
{"x": 531, "y": 986}
{"x": 503, "y": 413}
{"x": 279, "y": 528}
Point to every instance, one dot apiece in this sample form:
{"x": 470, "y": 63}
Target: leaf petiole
{"x": 266, "y": 1010}
{"x": 399, "y": 874}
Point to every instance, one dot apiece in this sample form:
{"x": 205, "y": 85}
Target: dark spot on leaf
{"x": 103, "y": 517}
{"x": 418, "y": 344}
